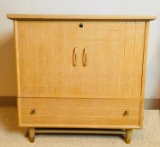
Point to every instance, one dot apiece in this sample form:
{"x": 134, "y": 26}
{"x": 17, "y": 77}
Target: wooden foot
{"x": 128, "y": 135}
{"x": 31, "y": 134}
{"x": 31, "y": 140}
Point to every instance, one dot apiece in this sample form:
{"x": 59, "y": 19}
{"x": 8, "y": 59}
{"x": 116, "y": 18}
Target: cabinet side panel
{"x": 17, "y": 56}
{"x": 147, "y": 25}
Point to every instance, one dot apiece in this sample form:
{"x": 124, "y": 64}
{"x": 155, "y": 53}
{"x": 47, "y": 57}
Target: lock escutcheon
{"x": 81, "y": 25}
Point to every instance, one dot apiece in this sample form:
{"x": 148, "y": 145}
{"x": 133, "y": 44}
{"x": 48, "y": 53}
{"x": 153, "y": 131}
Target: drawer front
{"x": 79, "y": 113}
{"x": 114, "y": 52}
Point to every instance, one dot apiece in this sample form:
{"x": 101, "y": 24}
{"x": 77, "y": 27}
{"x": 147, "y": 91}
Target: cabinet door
{"x": 114, "y": 52}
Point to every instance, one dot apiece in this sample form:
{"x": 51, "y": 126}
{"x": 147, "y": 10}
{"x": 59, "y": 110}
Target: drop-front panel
{"x": 113, "y": 52}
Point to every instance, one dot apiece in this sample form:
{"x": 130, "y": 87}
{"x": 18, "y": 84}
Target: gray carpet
{"x": 11, "y": 135}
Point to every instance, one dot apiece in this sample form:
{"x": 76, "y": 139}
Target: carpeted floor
{"x": 13, "y": 136}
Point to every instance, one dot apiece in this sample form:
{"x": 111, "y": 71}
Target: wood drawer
{"x": 79, "y": 113}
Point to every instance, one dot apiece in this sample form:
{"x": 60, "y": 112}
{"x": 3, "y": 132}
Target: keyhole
{"x": 81, "y": 25}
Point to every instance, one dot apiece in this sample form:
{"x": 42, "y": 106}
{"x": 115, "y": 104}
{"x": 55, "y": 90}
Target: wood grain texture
{"x": 114, "y": 50}
{"x": 77, "y": 17}
{"x": 70, "y": 112}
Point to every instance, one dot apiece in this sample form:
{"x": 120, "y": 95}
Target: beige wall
{"x": 112, "y": 7}
{"x": 7, "y": 53}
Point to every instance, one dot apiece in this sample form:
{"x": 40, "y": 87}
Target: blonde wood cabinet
{"x": 85, "y": 72}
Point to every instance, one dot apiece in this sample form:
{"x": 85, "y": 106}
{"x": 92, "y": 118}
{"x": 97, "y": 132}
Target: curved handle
{"x": 85, "y": 57}
{"x": 74, "y": 57}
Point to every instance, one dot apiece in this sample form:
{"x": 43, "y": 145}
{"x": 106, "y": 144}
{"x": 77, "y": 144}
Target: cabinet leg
{"x": 31, "y": 134}
{"x": 128, "y": 135}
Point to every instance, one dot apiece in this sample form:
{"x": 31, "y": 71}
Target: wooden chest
{"x": 81, "y": 71}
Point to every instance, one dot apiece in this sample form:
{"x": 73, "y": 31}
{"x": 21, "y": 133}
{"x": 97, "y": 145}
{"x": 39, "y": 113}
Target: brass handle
{"x": 85, "y": 57}
{"x": 126, "y": 113}
{"x": 74, "y": 56}
{"x": 33, "y": 111}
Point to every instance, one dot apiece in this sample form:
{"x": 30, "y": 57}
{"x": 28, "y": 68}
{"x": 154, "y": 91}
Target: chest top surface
{"x": 77, "y": 17}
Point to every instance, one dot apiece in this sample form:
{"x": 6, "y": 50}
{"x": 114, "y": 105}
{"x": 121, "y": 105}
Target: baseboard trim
{"x": 152, "y": 103}
{"x": 11, "y": 101}
{"x": 8, "y": 101}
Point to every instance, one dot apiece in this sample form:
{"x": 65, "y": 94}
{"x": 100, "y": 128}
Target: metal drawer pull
{"x": 74, "y": 57}
{"x": 85, "y": 57}
{"x": 33, "y": 111}
{"x": 126, "y": 113}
